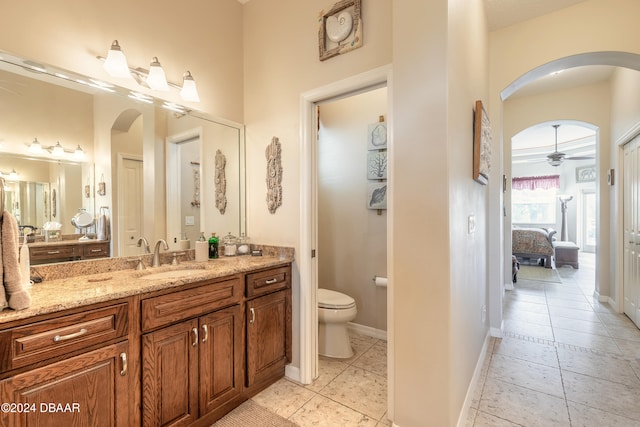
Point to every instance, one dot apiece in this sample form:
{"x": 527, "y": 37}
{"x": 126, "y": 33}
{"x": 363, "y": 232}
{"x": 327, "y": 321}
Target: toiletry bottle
{"x": 213, "y": 246}
{"x": 202, "y": 238}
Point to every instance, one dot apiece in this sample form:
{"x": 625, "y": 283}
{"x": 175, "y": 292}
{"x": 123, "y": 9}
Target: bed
{"x": 533, "y": 243}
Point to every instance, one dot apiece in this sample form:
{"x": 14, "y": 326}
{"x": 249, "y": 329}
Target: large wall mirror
{"x": 150, "y": 170}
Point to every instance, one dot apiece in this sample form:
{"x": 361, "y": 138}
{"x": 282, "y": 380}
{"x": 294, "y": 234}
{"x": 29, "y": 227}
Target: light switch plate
{"x": 189, "y": 220}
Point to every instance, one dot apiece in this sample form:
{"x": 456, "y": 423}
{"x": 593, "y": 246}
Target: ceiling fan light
{"x": 189, "y": 90}
{"x": 554, "y": 162}
{"x": 156, "y": 78}
{"x": 116, "y": 63}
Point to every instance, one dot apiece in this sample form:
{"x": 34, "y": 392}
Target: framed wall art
{"x": 481, "y": 144}
{"x": 340, "y": 29}
{"x": 586, "y": 173}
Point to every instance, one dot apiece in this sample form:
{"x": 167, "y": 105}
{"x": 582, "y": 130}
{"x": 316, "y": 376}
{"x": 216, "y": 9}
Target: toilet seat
{"x": 334, "y": 300}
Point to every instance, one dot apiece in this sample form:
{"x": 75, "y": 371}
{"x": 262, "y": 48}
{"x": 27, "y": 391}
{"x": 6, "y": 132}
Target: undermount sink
{"x": 172, "y": 274}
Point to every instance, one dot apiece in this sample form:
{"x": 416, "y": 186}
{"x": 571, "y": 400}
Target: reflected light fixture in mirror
{"x": 154, "y": 78}
{"x": 57, "y": 150}
{"x": 11, "y": 176}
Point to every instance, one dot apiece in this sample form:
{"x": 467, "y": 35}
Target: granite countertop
{"x": 59, "y": 294}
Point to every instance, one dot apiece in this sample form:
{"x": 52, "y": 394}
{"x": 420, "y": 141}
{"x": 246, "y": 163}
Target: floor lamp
{"x": 564, "y": 235}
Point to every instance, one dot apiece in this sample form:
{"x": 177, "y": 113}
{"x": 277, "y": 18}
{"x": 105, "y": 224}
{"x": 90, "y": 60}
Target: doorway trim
{"x": 307, "y": 262}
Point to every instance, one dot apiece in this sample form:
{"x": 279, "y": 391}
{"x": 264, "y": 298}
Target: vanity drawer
{"x": 47, "y": 253}
{"x": 42, "y": 340}
{"x": 170, "y": 308}
{"x": 95, "y": 250}
{"x": 264, "y": 282}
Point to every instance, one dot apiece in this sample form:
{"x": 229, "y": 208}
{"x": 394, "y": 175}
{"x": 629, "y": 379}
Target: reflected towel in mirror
{"x": 17, "y": 295}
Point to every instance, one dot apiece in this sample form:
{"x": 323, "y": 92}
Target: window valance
{"x": 535, "y": 182}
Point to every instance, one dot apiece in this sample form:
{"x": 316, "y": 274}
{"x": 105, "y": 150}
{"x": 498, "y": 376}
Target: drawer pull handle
{"x": 53, "y": 252}
{"x": 194, "y": 331}
{"x": 271, "y": 281}
{"x": 205, "y": 333}
{"x": 96, "y": 250}
{"x": 253, "y": 315}
{"x": 123, "y": 359}
{"x": 80, "y": 333}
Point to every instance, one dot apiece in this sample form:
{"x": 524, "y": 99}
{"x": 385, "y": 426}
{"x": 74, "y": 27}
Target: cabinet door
{"x": 220, "y": 357}
{"x": 170, "y": 375}
{"x": 266, "y": 337}
{"x": 91, "y": 389}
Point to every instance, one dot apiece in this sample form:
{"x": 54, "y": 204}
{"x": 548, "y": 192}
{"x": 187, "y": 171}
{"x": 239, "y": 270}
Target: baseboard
{"x": 464, "y": 412}
{"x": 293, "y": 373}
{"x": 497, "y": 332}
{"x": 367, "y": 331}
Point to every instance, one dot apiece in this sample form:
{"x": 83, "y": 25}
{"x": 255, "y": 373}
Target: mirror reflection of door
{"x": 127, "y": 178}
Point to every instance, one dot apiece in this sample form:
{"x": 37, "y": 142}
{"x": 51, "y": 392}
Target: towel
{"x": 17, "y": 295}
{"x": 102, "y": 228}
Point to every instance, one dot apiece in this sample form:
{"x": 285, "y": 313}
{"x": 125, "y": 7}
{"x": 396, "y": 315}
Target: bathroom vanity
{"x": 174, "y": 345}
{"x": 67, "y": 250}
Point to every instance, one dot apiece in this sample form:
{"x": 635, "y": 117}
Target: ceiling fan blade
{"x": 580, "y": 158}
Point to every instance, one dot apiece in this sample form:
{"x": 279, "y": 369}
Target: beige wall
{"x": 352, "y": 240}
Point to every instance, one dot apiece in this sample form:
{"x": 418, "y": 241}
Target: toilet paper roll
{"x": 202, "y": 251}
{"x": 185, "y": 244}
{"x": 380, "y": 281}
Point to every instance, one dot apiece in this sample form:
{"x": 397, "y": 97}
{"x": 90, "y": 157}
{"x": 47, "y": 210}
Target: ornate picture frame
{"x": 481, "y": 144}
{"x": 586, "y": 173}
{"x": 340, "y": 29}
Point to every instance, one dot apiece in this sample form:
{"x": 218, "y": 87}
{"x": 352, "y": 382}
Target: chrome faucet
{"x": 156, "y": 252}
{"x": 146, "y": 245}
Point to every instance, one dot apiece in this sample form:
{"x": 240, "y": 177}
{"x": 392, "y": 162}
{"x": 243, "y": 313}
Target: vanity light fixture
{"x": 11, "y": 176}
{"x": 189, "y": 91}
{"x": 35, "y": 147}
{"x": 116, "y": 63}
{"x": 156, "y": 79}
{"x": 79, "y": 153}
{"x": 57, "y": 150}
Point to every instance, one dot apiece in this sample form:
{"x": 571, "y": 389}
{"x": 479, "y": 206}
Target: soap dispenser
{"x": 213, "y": 246}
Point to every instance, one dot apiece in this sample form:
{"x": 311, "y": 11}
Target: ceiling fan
{"x": 556, "y": 158}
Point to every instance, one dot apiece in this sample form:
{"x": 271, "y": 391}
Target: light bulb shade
{"x": 156, "y": 78}
{"x": 13, "y": 175}
{"x": 116, "y": 63}
{"x": 57, "y": 151}
{"x": 79, "y": 153}
{"x": 189, "y": 91}
{"x": 554, "y": 162}
{"x": 35, "y": 147}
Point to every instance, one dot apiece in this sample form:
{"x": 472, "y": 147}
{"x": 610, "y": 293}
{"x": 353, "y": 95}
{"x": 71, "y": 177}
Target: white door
{"x": 130, "y": 206}
{"x": 588, "y": 221}
{"x": 631, "y": 221}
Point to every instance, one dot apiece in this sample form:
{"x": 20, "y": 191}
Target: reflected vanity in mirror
{"x": 156, "y": 165}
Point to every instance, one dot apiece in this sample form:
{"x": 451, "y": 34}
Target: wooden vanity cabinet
{"x": 268, "y": 327}
{"x": 68, "y": 251}
{"x": 70, "y": 370}
{"x": 192, "y": 370}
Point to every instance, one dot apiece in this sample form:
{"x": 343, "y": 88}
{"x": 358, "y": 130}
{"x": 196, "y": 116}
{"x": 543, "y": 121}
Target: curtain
{"x": 534, "y": 182}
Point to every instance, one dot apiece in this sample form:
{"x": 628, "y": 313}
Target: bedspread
{"x": 533, "y": 243}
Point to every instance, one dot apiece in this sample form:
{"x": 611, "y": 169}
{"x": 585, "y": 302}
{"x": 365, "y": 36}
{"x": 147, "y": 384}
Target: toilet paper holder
{"x": 379, "y": 281}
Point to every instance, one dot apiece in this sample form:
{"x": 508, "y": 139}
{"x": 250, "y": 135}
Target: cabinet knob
{"x": 194, "y": 332}
{"x": 123, "y": 359}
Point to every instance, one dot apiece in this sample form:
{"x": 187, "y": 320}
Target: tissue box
{"x": 52, "y": 236}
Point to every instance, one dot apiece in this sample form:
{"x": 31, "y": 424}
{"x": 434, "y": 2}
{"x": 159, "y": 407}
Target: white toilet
{"x": 334, "y": 311}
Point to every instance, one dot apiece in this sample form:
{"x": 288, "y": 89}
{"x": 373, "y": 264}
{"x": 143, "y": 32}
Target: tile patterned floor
{"x": 347, "y": 392}
{"x": 565, "y": 360}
